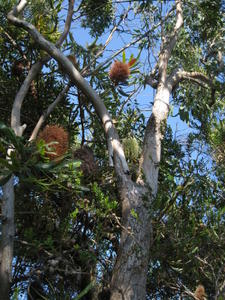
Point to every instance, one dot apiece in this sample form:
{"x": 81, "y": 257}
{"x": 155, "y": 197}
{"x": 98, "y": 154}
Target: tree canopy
{"x": 112, "y": 159}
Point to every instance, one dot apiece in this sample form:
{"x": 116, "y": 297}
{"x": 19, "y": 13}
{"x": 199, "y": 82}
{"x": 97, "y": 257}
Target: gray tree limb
{"x": 35, "y": 69}
{"x": 7, "y": 238}
{"x": 151, "y": 154}
{"x": 197, "y": 77}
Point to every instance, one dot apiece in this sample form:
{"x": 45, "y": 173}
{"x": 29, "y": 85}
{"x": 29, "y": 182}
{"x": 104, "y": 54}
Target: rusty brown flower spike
{"x": 55, "y": 133}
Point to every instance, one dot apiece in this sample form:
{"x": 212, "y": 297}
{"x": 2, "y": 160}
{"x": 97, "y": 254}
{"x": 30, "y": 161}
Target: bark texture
{"x": 129, "y": 274}
{"x": 7, "y": 238}
{"x": 130, "y": 271}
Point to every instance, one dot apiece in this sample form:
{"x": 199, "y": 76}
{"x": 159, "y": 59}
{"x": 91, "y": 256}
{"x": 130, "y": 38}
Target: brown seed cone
{"x": 85, "y": 155}
{"x": 119, "y": 72}
{"x": 55, "y": 133}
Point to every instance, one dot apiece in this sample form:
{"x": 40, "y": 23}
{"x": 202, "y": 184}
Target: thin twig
{"x": 48, "y": 111}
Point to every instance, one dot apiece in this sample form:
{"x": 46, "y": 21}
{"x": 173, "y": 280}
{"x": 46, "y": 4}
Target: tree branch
{"x": 169, "y": 43}
{"x": 153, "y": 78}
{"x": 7, "y": 237}
{"x": 15, "y": 45}
{"x": 106, "y": 43}
{"x": 197, "y": 77}
{"x": 67, "y": 24}
{"x": 120, "y": 163}
{"x": 151, "y": 153}
{"x": 48, "y": 111}
{"x": 139, "y": 38}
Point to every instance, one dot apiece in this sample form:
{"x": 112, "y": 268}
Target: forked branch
{"x": 196, "y": 77}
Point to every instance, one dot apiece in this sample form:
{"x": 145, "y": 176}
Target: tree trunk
{"x": 130, "y": 271}
{"x": 6, "y": 249}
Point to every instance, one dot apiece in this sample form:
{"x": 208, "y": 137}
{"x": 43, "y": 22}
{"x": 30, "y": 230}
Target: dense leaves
{"x": 67, "y": 212}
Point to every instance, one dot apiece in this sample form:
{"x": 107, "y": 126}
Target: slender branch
{"x": 15, "y": 45}
{"x": 188, "y": 292}
{"x": 151, "y": 78}
{"x": 80, "y": 104}
{"x": 179, "y": 23}
{"x": 184, "y": 186}
{"x": 16, "y": 109}
{"x": 127, "y": 100}
{"x": 151, "y": 81}
{"x": 67, "y": 24}
{"x": 218, "y": 55}
{"x": 139, "y": 38}
{"x": 48, "y": 111}
{"x": 106, "y": 43}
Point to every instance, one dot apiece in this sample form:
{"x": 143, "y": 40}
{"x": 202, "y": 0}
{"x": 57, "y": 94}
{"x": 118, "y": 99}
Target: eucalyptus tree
{"x": 183, "y": 46}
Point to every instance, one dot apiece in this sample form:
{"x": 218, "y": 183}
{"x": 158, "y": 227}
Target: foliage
{"x": 68, "y": 222}
{"x": 217, "y": 138}
{"x": 189, "y": 237}
{"x": 98, "y": 15}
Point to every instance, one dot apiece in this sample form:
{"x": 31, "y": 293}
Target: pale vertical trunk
{"x": 7, "y": 236}
{"x": 129, "y": 274}
{"x": 130, "y": 271}
{"x": 151, "y": 154}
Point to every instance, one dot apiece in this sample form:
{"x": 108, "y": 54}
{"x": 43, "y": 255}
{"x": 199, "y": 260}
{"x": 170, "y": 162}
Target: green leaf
{"x": 124, "y": 57}
{"x": 194, "y": 250}
{"x": 74, "y": 214}
{"x": 134, "y": 214}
